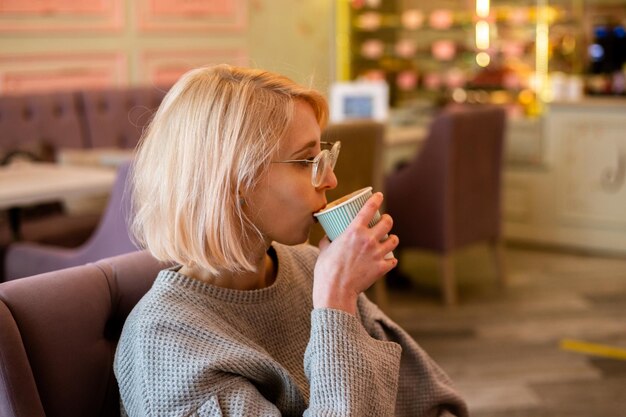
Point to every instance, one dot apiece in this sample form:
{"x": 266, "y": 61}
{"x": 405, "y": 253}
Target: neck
{"x": 262, "y": 277}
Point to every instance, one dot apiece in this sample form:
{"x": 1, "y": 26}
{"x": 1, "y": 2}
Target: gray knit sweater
{"x": 194, "y": 349}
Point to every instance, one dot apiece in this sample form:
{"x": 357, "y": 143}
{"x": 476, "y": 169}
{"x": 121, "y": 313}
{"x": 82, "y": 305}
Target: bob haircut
{"x": 215, "y": 133}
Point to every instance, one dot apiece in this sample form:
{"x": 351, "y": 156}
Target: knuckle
{"x": 373, "y": 203}
{"x": 369, "y": 241}
{"x": 388, "y": 221}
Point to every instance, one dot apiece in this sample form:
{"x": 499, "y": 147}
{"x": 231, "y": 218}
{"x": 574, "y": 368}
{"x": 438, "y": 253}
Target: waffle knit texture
{"x": 193, "y": 349}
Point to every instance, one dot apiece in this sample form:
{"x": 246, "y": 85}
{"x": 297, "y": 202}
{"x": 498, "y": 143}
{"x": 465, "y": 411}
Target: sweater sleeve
{"x": 350, "y": 373}
{"x": 423, "y": 387}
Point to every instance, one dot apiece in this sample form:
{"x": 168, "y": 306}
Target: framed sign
{"x": 359, "y": 100}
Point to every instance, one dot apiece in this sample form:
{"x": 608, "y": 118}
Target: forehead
{"x": 304, "y": 130}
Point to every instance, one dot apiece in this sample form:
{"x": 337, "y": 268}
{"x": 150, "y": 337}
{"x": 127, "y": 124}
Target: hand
{"x": 355, "y": 260}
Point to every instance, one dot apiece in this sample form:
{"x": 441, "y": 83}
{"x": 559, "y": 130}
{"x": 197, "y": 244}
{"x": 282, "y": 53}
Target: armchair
{"x": 449, "y": 195}
{"x": 59, "y": 332}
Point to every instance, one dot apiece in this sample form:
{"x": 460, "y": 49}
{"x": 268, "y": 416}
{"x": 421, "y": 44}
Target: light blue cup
{"x": 338, "y": 215}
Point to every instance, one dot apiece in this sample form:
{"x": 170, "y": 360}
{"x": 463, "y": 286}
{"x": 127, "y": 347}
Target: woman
{"x": 252, "y": 321}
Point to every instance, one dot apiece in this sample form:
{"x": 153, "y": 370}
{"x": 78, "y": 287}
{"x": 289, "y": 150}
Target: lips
{"x": 321, "y": 208}
{"x": 317, "y": 211}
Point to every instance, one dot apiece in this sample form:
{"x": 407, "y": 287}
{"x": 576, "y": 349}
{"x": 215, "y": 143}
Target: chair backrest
{"x": 39, "y": 123}
{"x": 117, "y": 117}
{"x": 58, "y": 334}
{"x": 478, "y": 138}
{"x": 360, "y": 160}
{"x": 450, "y": 194}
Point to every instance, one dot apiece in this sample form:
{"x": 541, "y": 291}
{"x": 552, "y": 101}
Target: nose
{"x": 329, "y": 181}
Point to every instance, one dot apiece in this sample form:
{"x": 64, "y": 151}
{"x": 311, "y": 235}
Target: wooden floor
{"x": 503, "y": 349}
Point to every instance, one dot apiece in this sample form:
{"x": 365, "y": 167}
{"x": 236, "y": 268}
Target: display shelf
{"x": 425, "y": 49}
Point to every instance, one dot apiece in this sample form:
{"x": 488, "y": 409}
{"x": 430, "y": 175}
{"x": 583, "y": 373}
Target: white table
{"x": 104, "y": 157}
{"x": 25, "y": 183}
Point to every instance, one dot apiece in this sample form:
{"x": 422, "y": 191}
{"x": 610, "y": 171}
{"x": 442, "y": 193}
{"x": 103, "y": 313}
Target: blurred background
{"x": 550, "y": 340}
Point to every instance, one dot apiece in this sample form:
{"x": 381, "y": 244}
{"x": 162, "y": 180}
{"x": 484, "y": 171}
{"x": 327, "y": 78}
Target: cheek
{"x": 292, "y": 196}
{"x": 287, "y": 199}
{"x": 285, "y": 184}
{"x": 284, "y": 190}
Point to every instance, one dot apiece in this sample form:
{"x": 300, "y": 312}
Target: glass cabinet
{"x": 500, "y": 51}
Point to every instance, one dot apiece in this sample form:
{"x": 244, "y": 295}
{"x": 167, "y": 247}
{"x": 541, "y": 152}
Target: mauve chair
{"x": 110, "y": 238}
{"x": 449, "y": 195}
{"x": 59, "y": 332}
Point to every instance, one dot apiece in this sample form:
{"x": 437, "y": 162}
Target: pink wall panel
{"x": 61, "y": 15}
{"x": 46, "y": 72}
{"x": 191, "y": 15}
{"x": 164, "y": 68}
{"x": 195, "y": 7}
{"x": 53, "y": 6}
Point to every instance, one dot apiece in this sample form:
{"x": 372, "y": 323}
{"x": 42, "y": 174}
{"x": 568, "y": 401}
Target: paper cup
{"x": 338, "y": 215}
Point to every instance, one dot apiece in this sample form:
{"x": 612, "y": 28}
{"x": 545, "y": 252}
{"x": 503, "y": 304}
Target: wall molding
{"x": 165, "y": 67}
{"x": 191, "y": 15}
{"x": 46, "y": 72}
{"x": 61, "y": 16}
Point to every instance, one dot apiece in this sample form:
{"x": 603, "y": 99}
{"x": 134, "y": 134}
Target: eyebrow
{"x": 308, "y": 145}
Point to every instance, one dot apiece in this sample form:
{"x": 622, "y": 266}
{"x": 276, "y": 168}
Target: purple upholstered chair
{"x": 449, "y": 196}
{"x": 59, "y": 332}
{"x": 110, "y": 238}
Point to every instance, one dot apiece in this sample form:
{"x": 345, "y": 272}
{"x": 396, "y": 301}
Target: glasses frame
{"x": 331, "y": 155}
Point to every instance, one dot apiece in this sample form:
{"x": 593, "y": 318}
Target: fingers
{"x": 388, "y": 265}
{"x": 369, "y": 209}
{"x": 383, "y": 227}
{"x": 385, "y": 251}
{"x": 389, "y": 244}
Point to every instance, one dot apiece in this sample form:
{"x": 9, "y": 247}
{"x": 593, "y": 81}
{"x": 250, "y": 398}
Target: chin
{"x": 295, "y": 238}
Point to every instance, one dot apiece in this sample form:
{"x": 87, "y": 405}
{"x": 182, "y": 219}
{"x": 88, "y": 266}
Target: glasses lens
{"x": 320, "y": 168}
{"x": 324, "y": 164}
{"x": 334, "y": 154}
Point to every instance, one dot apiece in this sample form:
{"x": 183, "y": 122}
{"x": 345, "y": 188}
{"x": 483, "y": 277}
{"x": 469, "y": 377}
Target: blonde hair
{"x": 213, "y": 136}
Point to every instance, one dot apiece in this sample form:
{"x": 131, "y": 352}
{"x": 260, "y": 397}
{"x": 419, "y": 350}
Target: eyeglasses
{"x": 323, "y": 164}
